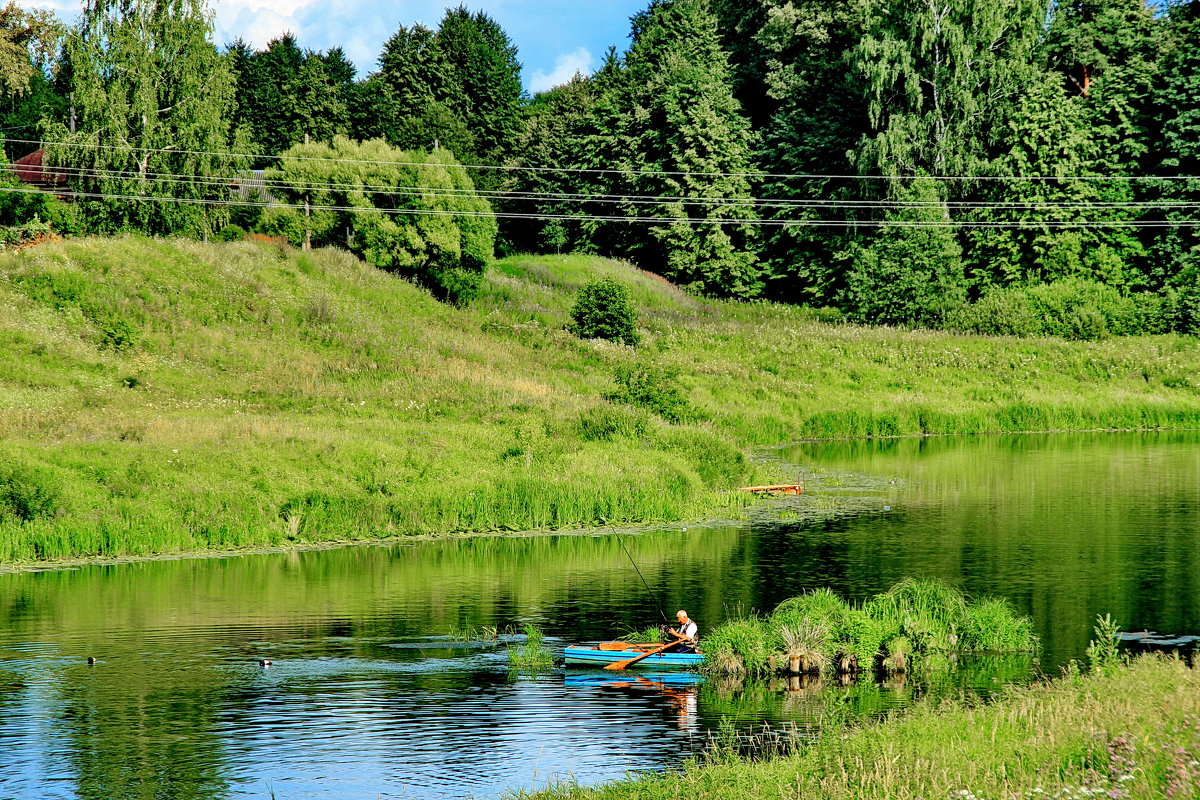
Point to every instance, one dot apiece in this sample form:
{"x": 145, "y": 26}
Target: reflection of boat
{"x": 680, "y": 689}
{"x": 607, "y": 680}
{"x": 612, "y": 652}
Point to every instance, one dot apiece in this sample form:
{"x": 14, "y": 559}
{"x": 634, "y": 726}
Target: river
{"x": 366, "y": 698}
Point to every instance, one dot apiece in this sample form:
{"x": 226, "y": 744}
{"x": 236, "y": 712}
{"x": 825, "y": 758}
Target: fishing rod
{"x": 653, "y": 599}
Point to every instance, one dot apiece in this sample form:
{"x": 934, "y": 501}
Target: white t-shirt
{"x": 689, "y": 629}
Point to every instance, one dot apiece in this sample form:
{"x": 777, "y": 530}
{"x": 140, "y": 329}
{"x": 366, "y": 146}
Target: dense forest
{"x": 1007, "y": 167}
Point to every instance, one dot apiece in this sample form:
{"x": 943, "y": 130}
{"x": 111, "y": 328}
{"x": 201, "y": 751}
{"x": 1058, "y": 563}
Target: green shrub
{"x": 533, "y": 653}
{"x": 717, "y": 461}
{"x": 607, "y": 422}
{"x": 742, "y": 646}
{"x": 117, "y": 333}
{"x": 1072, "y": 309}
{"x": 653, "y": 388}
{"x": 991, "y": 624}
{"x": 27, "y": 494}
{"x": 603, "y": 310}
{"x": 915, "y": 617}
{"x": 231, "y": 233}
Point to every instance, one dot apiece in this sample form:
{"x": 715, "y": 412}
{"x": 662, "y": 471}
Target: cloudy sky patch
{"x": 565, "y": 68}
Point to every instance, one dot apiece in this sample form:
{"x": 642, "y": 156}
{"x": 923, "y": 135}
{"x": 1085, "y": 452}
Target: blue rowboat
{"x": 612, "y": 652}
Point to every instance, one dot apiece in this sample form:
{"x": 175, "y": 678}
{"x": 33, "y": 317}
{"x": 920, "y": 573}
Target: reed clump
{"x": 531, "y": 653}
{"x": 893, "y": 631}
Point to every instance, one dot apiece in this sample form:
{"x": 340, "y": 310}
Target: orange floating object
{"x": 782, "y": 488}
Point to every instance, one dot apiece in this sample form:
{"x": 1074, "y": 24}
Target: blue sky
{"x": 554, "y": 39}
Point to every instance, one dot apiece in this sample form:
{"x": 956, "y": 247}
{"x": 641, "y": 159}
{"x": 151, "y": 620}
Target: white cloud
{"x": 565, "y": 67}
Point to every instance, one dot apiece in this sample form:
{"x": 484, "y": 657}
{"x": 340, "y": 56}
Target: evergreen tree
{"x": 417, "y": 99}
{"x": 1107, "y": 52}
{"x": 671, "y": 121}
{"x": 484, "y": 63}
{"x": 557, "y": 129}
{"x": 1175, "y": 260}
{"x": 911, "y": 272}
{"x": 1045, "y": 134}
{"x": 287, "y": 94}
{"x": 153, "y": 98}
{"x": 458, "y": 87}
{"x": 821, "y": 116}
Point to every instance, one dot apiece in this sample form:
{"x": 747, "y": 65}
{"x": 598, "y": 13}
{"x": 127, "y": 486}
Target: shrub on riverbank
{"x": 819, "y": 631}
{"x": 1132, "y": 734}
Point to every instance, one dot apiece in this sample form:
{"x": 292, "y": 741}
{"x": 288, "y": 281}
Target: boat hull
{"x": 596, "y": 657}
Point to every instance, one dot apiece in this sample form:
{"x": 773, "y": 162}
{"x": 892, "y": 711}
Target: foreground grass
{"x": 1132, "y": 734}
{"x": 171, "y": 396}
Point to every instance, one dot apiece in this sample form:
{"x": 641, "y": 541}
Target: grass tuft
{"x": 532, "y": 653}
{"x": 915, "y": 619}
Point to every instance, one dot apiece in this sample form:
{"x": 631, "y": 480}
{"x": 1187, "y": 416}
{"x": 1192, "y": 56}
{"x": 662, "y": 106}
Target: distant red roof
{"x": 29, "y": 169}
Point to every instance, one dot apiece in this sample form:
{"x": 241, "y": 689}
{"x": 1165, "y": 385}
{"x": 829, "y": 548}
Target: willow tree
{"x": 28, "y": 46}
{"x": 411, "y": 212}
{"x": 938, "y": 78}
{"x": 154, "y": 102}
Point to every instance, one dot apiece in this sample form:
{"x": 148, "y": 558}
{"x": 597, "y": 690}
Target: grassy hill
{"x": 172, "y": 396}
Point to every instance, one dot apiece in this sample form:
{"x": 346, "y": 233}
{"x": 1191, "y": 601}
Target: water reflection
{"x": 362, "y": 702}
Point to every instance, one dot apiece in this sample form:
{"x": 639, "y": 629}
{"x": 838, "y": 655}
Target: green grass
{"x": 531, "y": 653}
{"x": 164, "y": 396}
{"x": 1134, "y": 732}
{"x": 912, "y": 620}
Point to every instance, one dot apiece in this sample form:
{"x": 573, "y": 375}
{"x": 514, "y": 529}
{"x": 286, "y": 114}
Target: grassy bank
{"x": 1134, "y": 733}
{"x": 172, "y": 396}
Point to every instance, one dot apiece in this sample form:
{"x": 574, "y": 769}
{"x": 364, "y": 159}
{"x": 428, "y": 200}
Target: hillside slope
{"x": 172, "y": 396}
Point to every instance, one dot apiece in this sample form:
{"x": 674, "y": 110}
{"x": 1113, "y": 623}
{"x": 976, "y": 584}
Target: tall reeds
{"x": 818, "y": 631}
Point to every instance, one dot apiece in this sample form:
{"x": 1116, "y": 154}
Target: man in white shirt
{"x": 685, "y": 633}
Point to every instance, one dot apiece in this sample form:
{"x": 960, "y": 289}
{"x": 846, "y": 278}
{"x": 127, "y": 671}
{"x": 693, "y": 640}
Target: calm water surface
{"x": 365, "y": 701}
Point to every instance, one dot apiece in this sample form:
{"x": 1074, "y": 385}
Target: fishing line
{"x": 653, "y": 599}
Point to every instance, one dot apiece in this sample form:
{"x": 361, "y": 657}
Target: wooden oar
{"x": 625, "y": 664}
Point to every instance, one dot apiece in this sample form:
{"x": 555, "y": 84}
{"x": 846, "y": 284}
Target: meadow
{"x": 171, "y": 396}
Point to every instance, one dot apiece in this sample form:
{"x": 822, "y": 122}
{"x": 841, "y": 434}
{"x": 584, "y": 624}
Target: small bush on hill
{"x": 653, "y": 388}
{"x": 27, "y": 494}
{"x": 1072, "y": 309}
{"x": 607, "y": 422}
{"x": 603, "y": 310}
{"x": 231, "y": 233}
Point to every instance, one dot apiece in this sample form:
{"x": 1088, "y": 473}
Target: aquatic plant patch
{"x": 895, "y": 630}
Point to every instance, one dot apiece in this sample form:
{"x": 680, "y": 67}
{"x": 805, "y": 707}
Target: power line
{"x": 170, "y": 150}
{"x": 206, "y": 181}
{"x": 656, "y": 220}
